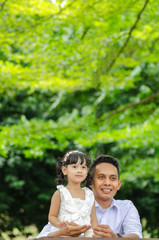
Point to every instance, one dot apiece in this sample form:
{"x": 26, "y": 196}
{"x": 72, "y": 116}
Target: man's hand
{"x": 104, "y": 231}
{"x": 72, "y": 230}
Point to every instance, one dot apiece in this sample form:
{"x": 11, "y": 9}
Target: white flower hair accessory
{"x": 68, "y": 154}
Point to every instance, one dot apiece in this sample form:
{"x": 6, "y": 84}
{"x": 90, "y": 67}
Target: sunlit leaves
{"x": 75, "y": 75}
{"x": 73, "y": 40}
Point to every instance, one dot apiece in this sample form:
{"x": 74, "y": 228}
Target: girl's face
{"x": 76, "y": 172}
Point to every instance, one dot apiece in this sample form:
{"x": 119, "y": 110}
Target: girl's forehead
{"x": 80, "y": 161}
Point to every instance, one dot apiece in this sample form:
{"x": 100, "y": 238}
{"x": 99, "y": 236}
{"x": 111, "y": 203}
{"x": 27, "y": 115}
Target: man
{"x": 116, "y": 218}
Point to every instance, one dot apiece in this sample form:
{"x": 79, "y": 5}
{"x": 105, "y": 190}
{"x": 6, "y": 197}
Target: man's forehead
{"x": 106, "y": 168}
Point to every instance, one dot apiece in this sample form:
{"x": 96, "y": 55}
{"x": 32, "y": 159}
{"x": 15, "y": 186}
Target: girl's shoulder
{"x": 88, "y": 191}
{"x": 60, "y": 187}
{"x": 89, "y": 197}
{"x": 59, "y": 190}
{"x": 56, "y": 195}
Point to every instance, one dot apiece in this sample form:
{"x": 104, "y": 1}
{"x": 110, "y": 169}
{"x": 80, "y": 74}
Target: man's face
{"x": 105, "y": 183}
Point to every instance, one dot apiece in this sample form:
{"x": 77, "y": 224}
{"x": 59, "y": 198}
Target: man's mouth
{"x": 106, "y": 190}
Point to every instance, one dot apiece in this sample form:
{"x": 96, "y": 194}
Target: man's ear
{"x": 119, "y": 184}
{"x": 64, "y": 170}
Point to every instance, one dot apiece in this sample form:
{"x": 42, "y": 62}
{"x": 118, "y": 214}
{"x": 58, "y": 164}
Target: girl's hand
{"x": 72, "y": 229}
{"x": 63, "y": 224}
{"x": 75, "y": 230}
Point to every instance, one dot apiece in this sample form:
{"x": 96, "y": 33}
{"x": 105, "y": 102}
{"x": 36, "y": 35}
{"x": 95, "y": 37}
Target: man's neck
{"x": 104, "y": 203}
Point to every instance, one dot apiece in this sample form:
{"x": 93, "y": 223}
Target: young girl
{"x": 71, "y": 203}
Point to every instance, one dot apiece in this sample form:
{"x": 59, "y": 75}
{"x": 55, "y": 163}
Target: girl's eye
{"x": 74, "y": 166}
{"x": 84, "y": 167}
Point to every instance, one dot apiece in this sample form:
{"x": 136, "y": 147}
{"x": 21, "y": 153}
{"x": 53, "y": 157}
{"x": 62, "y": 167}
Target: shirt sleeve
{"x": 131, "y": 222}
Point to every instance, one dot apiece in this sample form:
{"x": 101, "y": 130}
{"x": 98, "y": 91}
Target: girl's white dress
{"x": 71, "y": 210}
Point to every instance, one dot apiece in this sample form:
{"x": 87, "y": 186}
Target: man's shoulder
{"x": 123, "y": 203}
{"x": 124, "y": 206}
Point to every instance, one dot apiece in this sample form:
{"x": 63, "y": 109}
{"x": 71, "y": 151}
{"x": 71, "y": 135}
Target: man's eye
{"x": 74, "y": 166}
{"x": 100, "y": 177}
{"x": 113, "y": 178}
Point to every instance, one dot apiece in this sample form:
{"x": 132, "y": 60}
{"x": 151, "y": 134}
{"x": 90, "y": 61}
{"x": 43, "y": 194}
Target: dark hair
{"x": 104, "y": 159}
{"x": 71, "y": 157}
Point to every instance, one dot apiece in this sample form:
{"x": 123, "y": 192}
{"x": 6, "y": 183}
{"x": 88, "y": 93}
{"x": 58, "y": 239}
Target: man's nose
{"x": 107, "y": 181}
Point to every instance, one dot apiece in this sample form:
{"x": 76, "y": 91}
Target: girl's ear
{"x": 64, "y": 170}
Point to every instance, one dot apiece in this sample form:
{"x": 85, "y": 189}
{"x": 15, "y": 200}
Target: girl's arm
{"x": 94, "y": 221}
{"x": 54, "y": 210}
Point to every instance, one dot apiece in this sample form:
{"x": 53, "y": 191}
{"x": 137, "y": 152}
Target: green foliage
{"x": 144, "y": 193}
{"x": 77, "y": 75}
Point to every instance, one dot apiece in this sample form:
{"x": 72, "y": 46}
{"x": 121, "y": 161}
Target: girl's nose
{"x": 79, "y": 169}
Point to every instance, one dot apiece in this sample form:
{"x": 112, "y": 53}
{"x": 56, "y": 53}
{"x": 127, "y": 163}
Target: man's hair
{"x": 104, "y": 159}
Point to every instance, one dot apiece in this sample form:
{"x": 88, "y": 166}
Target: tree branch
{"x": 128, "y": 38}
{"x": 131, "y": 105}
{"x": 2, "y": 4}
{"x": 100, "y": 69}
{"x": 42, "y": 19}
{"x": 153, "y": 45}
{"x": 85, "y": 32}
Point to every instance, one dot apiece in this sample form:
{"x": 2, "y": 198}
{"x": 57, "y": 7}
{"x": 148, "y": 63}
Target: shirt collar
{"x": 113, "y": 204}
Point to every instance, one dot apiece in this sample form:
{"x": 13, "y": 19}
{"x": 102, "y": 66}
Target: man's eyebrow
{"x": 112, "y": 175}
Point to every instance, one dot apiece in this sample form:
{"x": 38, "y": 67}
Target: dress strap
{"x": 60, "y": 186}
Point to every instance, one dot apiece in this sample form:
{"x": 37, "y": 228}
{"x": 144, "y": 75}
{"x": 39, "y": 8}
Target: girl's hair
{"x": 71, "y": 157}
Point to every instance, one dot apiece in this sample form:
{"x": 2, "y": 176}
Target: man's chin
{"x": 106, "y": 197}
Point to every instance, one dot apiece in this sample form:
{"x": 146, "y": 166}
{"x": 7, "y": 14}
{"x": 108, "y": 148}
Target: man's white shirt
{"x": 122, "y": 217}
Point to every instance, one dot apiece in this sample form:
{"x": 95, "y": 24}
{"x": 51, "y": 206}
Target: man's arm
{"x": 106, "y": 232}
{"x": 132, "y": 235}
{"x": 131, "y": 224}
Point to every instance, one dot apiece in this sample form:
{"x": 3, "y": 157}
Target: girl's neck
{"x": 76, "y": 191}
{"x": 73, "y": 186}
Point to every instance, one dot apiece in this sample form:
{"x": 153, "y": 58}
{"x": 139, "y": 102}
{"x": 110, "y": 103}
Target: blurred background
{"x": 81, "y": 75}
